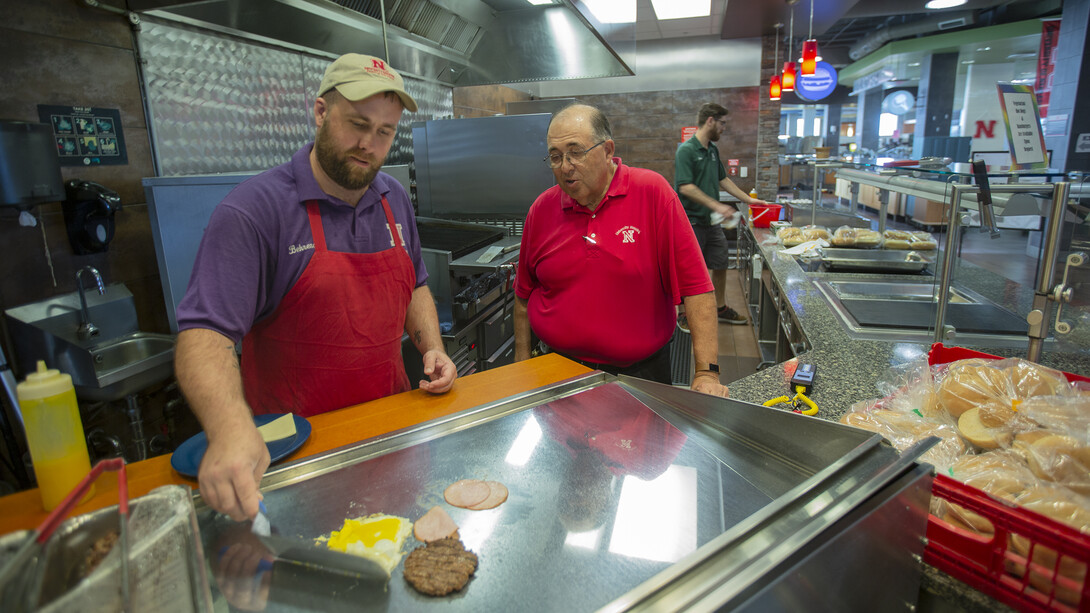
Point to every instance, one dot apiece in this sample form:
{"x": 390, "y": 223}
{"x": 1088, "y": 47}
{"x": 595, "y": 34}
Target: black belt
{"x": 610, "y": 368}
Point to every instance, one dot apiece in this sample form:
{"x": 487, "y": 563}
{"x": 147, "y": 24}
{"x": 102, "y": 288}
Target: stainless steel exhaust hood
{"x": 457, "y": 42}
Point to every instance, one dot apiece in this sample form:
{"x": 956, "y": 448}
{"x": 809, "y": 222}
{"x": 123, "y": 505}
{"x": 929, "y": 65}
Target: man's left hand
{"x": 440, "y": 371}
{"x": 707, "y": 384}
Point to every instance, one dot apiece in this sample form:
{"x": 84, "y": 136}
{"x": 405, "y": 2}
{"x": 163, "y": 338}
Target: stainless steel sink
{"x": 120, "y": 360}
{"x": 126, "y": 365}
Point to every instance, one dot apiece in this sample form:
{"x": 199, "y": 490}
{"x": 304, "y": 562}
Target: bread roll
{"x": 1002, "y": 474}
{"x": 922, "y": 241}
{"x": 813, "y": 233}
{"x": 973, "y": 429}
{"x": 903, "y": 430}
{"x": 971, "y": 383}
{"x": 843, "y": 237}
{"x": 1065, "y": 508}
{"x": 790, "y": 236}
{"x": 867, "y": 238}
{"x": 1058, "y": 458}
{"x": 1030, "y": 380}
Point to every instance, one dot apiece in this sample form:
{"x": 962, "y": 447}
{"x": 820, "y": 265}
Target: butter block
{"x": 279, "y": 428}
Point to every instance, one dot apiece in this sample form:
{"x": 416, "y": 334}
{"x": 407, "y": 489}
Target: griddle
{"x": 975, "y": 318}
{"x": 458, "y": 238}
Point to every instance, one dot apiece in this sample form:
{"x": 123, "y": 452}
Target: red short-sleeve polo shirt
{"x": 602, "y": 286}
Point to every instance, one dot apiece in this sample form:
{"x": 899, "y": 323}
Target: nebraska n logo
{"x": 377, "y": 63}
{"x": 628, "y": 234}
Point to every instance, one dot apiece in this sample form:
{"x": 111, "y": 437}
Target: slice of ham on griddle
{"x": 497, "y": 495}
{"x": 466, "y": 493}
{"x": 434, "y": 525}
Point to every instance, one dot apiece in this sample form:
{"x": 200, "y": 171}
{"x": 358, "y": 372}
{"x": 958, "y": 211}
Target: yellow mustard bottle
{"x": 54, "y": 433}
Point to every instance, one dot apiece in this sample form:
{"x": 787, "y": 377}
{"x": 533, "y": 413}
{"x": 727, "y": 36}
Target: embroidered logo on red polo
{"x": 628, "y": 234}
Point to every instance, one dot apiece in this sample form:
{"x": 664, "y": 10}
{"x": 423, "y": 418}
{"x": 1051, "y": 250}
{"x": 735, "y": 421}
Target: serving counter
{"x": 795, "y": 323}
{"x": 624, "y": 494}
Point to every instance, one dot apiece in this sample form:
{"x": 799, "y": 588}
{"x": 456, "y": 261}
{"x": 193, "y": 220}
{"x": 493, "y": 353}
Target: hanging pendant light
{"x": 809, "y": 48}
{"x": 787, "y": 80}
{"x": 774, "y": 88}
{"x": 787, "y": 83}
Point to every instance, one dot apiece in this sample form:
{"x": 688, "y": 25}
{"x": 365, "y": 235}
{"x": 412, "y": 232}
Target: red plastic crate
{"x": 986, "y": 563}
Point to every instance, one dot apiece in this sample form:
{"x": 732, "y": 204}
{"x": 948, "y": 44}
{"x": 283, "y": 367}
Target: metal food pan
{"x": 166, "y": 562}
{"x": 875, "y": 260}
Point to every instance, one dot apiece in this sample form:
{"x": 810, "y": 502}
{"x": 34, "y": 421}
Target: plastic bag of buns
{"x": 1000, "y": 473}
{"x": 847, "y": 236}
{"x": 1067, "y": 508}
{"x": 903, "y": 430}
{"x": 813, "y": 233}
{"x": 790, "y": 236}
{"x": 922, "y": 241}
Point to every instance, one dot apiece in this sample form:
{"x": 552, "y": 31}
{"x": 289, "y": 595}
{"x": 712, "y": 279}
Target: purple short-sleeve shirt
{"x": 258, "y": 242}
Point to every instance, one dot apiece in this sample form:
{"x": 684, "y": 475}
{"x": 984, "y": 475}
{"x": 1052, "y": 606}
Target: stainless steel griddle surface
{"x": 604, "y": 494}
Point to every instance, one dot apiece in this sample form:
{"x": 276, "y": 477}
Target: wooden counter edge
{"x": 23, "y": 510}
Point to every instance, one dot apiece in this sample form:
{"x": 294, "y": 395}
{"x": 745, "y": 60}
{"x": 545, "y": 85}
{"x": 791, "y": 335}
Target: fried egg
{"x": 377, "y": 537}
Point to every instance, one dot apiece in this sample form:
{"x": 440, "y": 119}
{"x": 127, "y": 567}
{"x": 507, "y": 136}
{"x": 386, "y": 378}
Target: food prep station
{"x": 719, "y": 504}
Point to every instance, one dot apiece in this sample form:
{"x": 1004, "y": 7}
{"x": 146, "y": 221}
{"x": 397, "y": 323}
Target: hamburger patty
{"x": 440, "y": 567}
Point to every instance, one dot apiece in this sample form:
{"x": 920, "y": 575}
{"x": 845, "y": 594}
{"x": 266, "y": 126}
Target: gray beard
{"x": 337, "y": 167}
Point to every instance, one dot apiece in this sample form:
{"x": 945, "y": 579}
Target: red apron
{"x": 335, "y": 339}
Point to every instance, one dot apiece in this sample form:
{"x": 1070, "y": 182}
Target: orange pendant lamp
{"x": 774, "y": 85}
{"x": 809, "y": 48}
{"x": 787, "y": 83}
{"x": 787, "y": 80}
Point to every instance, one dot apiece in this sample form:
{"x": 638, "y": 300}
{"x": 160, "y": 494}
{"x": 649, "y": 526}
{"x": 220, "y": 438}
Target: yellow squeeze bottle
{"x": 54, "y": 433}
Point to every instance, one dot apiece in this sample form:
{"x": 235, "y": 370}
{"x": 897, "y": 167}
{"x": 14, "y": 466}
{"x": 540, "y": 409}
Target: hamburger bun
{"x": 1060, "y": 459}
{"x": 903, "y": 430}
{"x": 1064, "y": 507}
{"x": 972, "y": 383}
{"x": 976, "y": 432}
{"x": 1030, "y": 380}
{"x": 1001, "y": 474}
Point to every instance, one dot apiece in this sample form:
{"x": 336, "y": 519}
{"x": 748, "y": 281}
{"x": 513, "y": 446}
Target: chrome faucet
{"x": 87, "y": 329}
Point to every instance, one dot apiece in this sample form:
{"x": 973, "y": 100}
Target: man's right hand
{"x": 231, "y": 472}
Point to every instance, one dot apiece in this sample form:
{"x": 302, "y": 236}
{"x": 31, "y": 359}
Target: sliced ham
{"x": 434, "y": 525}
{"x": 497, "y": 495}
{"x": 466, "y": 493}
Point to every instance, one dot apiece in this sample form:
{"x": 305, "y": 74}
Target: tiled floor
{"x": 1006, "y": 256}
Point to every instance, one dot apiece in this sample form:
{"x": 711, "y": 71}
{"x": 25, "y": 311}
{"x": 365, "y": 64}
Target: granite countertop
{"x": 848, "y": 370}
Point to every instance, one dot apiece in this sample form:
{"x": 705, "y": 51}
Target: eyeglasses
{"x": 556, "y": 160}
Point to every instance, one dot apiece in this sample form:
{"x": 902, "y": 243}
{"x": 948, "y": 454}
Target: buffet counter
{"x": 848, "y": 368}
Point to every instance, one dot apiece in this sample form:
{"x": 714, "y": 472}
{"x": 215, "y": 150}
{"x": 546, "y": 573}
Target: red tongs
{"x": 41, "y": 534}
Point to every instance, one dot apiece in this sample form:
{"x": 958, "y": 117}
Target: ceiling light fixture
{"x": 787, "y": 80}
{"x": 809, "y": 48}
{"x": 612, "y": 11}
{"x": 774, "y": 88}
{"x": 539, "y": 2}
{"x": 680, "y": 9}
{"x": 935, "y": 5}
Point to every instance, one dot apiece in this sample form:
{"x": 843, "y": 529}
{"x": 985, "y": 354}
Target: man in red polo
{"x": 606, "y": 256}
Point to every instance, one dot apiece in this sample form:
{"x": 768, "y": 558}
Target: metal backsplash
{"x": 220, "y": 103}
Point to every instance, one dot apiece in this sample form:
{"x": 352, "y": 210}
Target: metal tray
{"x": 624, "y": 494}
{"x": 875, "y": 260}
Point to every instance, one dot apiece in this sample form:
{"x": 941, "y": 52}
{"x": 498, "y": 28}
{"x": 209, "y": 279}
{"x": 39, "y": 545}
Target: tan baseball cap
{"x": 359, "y": 76}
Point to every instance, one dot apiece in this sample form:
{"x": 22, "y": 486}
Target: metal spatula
{"x": 298, "y": 551}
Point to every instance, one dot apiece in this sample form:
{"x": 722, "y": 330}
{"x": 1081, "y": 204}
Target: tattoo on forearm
{"x": 418, "y": 337}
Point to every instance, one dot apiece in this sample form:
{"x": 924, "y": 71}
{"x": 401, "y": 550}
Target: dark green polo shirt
{"x": 701, "y": 167}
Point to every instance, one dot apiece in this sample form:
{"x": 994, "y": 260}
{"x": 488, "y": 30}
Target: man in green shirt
{"x": 698, "y": 176}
